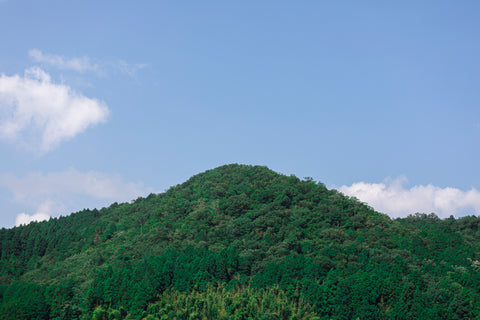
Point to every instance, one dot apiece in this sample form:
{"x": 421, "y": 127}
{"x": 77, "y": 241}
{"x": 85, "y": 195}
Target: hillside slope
{"x": 241, "y": 241}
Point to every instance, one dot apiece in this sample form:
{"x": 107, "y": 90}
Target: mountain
{"x": 241, "y": 242}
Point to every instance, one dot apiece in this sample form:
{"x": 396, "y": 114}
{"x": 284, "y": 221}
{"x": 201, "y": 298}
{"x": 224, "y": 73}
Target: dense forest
{"x": 241, "y": 242}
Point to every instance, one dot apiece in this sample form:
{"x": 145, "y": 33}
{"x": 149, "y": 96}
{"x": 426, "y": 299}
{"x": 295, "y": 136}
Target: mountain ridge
{"x": 245, "y": 228}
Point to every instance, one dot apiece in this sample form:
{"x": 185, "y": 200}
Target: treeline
{"x": 241, "y": 242}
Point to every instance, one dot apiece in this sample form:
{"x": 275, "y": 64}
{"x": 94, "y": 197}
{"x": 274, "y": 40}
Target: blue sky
{"x": 107, "y": 101}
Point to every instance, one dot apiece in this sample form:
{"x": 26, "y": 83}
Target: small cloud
{"x": 82, "y": 64}
{"x": 40, "y": 114}
{"x": 24, "y": 219}
{"x": 44, "y": 212}
{"x": 392, "y": 198}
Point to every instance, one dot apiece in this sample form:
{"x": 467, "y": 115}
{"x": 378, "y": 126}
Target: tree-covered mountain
{"x": 241, "y": 242}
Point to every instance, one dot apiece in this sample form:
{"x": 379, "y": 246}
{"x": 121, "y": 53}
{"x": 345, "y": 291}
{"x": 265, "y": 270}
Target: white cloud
{"x": 40, "y": 114}
{"x": 81, "y": 64}
{"x": 67, "y": 191}
{"x": 392, "y": 198}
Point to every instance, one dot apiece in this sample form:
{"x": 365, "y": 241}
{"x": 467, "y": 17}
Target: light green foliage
{"x": 221, "y": 303}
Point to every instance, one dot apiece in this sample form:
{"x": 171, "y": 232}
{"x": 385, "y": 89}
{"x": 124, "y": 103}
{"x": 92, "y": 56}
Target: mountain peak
{"x": 236, "y": 226}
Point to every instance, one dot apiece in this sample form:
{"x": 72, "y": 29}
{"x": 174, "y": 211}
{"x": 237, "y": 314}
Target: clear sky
{"x": 104, "y": 101}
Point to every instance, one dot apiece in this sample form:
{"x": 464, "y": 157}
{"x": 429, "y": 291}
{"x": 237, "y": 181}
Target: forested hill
{"x": 241, "y": 242}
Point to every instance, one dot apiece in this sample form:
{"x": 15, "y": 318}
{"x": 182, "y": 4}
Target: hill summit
{"x": 241, "y": 242}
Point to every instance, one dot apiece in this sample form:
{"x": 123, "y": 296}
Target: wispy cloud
{"x": 95, "y": 184}
{"x": 84, "y": 64}
{"x": 39, "y": 114}
{"x": 129, "y": 69}
{"x": 392, "y": 198}
{"x": 81, "y": 64}
{"x": 53, "y": 192}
